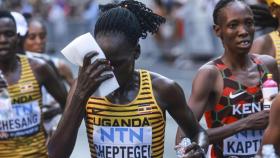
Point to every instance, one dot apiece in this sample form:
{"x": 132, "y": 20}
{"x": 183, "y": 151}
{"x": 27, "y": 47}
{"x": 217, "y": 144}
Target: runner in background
{"x": 35, "y": 44}
{"x": 269, "y": 43}
{"x": 22, "y": 132}
{"x": 130, "y": 121}
{"x": 51, "y": 108}
{"x": 228, "y": 89}
{"x": 264, "y": 22}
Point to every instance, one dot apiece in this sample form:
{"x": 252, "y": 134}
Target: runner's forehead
{"x": 7, "y": 23}
{"x": 235, "y": 11}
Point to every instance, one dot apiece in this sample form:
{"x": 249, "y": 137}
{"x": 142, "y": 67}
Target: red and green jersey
{"x": 237, "y": 101}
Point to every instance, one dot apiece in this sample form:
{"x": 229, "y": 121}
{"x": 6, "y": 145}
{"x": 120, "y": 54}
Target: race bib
{"x": 5, "y": 108}
{"x": 122, "y": 142}
{"x": 245, "y": 143}
{"x": 23, "y": 120}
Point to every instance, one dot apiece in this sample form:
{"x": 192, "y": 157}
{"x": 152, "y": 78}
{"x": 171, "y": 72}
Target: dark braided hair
{"x": 220, "y": 5}
{"x": 263, "y": 17}
{"x": 130, "y": 17}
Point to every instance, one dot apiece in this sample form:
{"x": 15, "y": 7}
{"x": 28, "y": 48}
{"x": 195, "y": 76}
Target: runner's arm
{"x": 183, "y": 115}
{"x": 172, "y": 97}
{"x": 255, "y": 121}
{"x": 67, "y": 130}
{"x": 53, "y": 85}
{"x": 63, "y": 140}
{"x": 65, "y": 72}
{"x": 201, "y": 96}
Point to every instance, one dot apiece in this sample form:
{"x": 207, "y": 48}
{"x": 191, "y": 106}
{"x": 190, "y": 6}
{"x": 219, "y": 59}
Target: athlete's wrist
{"x": 80, "y": 97}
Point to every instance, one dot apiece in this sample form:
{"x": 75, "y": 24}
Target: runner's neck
{"x": 127, "y": 92}
{"x": 236, "y": 62}
{"x": 9, "y": 65}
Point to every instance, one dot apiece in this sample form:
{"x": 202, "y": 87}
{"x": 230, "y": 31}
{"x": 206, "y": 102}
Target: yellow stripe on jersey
{"x": 26, "y": 138}
{"x": 131, "y": 130}
{"x": 276, "y": 41}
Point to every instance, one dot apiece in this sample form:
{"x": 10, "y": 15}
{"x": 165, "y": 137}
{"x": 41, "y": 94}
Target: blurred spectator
{"x": 208, "y": 7}
{"x": 90, "y": 13}
{"x": 199, "y": 41}
{"x": 14, "y": 5}
{"x": 170, "y": 34}
{"x": 58, "y": 20}
{"x": 183, "y": 38}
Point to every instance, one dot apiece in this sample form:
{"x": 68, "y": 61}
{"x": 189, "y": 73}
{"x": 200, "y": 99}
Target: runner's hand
{"x": 91, "y": 74}
{"x": 193, "y": 151}
{"x": 271, "y": 98}
{"x": 258, "y": 120}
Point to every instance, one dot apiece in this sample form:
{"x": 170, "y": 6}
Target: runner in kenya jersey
{"x": 228, "y": 88}
{"x": 237, "y": 101}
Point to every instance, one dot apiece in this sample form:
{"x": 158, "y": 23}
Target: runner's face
{"x": 8, "y": 38}
{"x": 120, "y": 53}
{"x": 236, "y": 27}
{"x": 36, "y": 38}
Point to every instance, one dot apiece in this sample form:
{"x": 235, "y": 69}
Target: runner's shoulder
{"x": 265, "y": 59}
{"x": 263, "y": 40}
{"x": 208, "y": 71}
{"x": 166, "y": 90}
{"x": 38, "y": 65}
{"x": 163, "y": 85}
{"x": 263, "y": 45}
{"x": 161, "y": 82}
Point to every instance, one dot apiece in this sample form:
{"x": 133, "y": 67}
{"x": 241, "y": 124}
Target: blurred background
{"x": 181, "y": 46}
{"x": 186, "y": 35}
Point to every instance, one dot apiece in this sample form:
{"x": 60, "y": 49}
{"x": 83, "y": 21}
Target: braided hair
{"x": 219, "y": 6}
{"x": 263, "y": 17}
{"x": 130, "y": 17}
